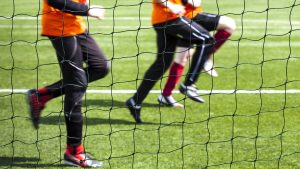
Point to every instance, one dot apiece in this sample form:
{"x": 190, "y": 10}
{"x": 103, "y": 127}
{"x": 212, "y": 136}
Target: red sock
{"x": 174, "y": 76}
{"x": 220, "y": 37}
{"x": 74, "y": 150}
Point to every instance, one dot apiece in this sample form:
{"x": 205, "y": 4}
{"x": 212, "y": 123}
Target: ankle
{"x": 43, "y": 90}
{"x": 44, "y": 95}
{"x": 166, "y": 94}
{"x": 74, "y": 149}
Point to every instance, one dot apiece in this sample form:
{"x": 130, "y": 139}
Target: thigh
{"x": 67, "y": 49}
{"x": 92, "y": 53}
{"x": 188, "y": 31}
{"x": 165, "y": 43}
{"x": 69, "y": 56}
{"x": 166, "y": 46}
{"x": 208, "y": 21}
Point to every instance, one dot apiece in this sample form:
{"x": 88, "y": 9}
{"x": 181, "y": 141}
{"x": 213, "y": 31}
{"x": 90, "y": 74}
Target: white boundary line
{"x": 290, "y": 91}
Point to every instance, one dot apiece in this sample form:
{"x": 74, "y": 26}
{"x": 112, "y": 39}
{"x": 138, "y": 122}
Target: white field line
{"x": 290, "y": 91}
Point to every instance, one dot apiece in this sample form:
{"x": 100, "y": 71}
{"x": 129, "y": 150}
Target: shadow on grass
{"x": 112, "y": 103}
{"x": 25, "y": 162}
{"x": 59, "y": 119}
{"x": 55, "y": 120}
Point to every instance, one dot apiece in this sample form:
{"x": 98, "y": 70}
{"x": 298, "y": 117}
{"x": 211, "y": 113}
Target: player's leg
{"x": 166, "y": 47}
{"x": 210, "y": 23}
{"x": 76, "y": 156}
{"x": 74, "y": 81}
{"x": 183, "y": 53}
{"x": 191, "y": 31}
{"x": 184, "y": 29}
{"x": 97, "y": 64}
{"x": 37, "y": 99}
{"x": 218, "y": 23}
{"x": 98, "y": 67}
{"x": 70, "y": 57}
{"x": 74, "y": 84}
{"x": 224, "y": 27}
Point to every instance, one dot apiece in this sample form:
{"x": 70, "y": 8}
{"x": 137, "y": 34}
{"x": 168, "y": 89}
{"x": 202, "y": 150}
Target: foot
{"x": 191, "y": 92}
{"x": 169, "y": 101}
{"x": 36, "y": 105}
{"x": 135, "y": 110}
{"x": 209, "y": 68}
{"x": 82, "y": 159}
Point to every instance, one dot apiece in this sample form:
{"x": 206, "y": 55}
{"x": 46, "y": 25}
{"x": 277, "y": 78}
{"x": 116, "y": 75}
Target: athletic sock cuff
{"x": 75, "y": 149}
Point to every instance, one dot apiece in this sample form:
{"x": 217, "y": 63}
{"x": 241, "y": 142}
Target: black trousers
{"x": 167, "y": 36}
{"x": 208, "y": 21}
{"x": 72, "y": 52}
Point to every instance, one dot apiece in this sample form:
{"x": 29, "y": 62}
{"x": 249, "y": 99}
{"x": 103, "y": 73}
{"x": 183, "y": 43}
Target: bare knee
{"x": 226, "y": 23}
{"x": 183, "y": 54}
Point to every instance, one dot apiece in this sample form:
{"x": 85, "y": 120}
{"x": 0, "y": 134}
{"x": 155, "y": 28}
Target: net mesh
{"x": 250, "y": 118}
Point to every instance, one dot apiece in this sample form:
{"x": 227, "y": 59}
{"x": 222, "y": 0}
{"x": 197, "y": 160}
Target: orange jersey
{"x": 191, "y": 12}
{"x": 58, "y": 23}
{"x": 161, "y": 13}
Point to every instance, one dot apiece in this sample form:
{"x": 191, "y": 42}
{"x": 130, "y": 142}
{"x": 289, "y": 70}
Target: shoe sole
{"x": 133, "y": 114}
{"x": 199, "y": 101}
{"x": 71, "y": 164}
{"x": 178, "y": 105}
{"x": 68, "y": 163}
{"x": 93, "y": 163}
{"x": 183, "y": 92}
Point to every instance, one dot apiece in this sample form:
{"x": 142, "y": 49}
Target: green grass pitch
{"x": 230, "y": 130}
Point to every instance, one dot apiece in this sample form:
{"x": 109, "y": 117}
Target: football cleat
{"x": 36, "y": 105}
{"x": 209, "y": 68}
{"x": 169, "y": 101}
{"x": 84, "y": 160}
{"x": 191, "y": 92}
{"x": 134, "y": 109}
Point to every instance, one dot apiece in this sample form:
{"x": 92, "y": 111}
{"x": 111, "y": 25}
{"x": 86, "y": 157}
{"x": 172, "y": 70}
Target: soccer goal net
{"x": 250, "y": 117}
